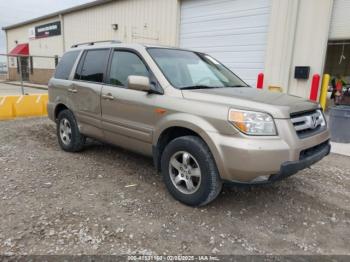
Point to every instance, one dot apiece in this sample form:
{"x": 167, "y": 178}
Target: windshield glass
{"x": 190, "y": 70}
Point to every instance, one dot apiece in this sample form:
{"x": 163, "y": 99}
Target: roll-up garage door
{"x": 340, "y": 23}
{"x": 233, "y": 31}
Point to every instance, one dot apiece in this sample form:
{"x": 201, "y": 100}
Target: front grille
{"x": 308, "y": 123}
{"x": 313, "y": 150}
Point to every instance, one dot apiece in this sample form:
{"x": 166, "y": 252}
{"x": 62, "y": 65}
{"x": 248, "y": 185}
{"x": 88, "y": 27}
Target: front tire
{"x": 68, "y": 134}
{"x": 190, "y": 172}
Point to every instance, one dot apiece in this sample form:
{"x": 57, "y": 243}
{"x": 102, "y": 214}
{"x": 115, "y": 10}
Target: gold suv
{"x": 200, "y": 122}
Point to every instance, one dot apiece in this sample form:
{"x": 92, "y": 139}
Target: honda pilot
{"x": 202, "y": 125}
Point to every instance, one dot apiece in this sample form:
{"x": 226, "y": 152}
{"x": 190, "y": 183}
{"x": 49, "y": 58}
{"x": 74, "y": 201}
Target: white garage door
{"x": 340, "y": 24}
{"x": 233, "y": 31}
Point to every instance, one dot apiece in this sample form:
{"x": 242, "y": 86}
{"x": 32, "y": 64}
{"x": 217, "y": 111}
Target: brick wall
{"x": 39, "y": 76}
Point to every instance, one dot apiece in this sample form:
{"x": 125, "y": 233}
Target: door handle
{"x": 108, "y": 96}
{"x": 72, "y": 90}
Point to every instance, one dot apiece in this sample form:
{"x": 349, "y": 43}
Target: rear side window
{"x": 92, "y": 68}
{"x": 125, "y": 64}
{"x": 66, "y": 64}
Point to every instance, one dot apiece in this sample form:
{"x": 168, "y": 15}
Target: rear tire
{"x": 68, "y": 134}
{"x": 190, "y": 172}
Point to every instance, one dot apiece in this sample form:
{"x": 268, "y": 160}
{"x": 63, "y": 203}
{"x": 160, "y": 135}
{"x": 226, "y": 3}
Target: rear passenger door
{"x": 128, "y": 115}
{"x": 85, "y": 92}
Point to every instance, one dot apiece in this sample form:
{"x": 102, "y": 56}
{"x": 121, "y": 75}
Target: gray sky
{"x": 14, "y": 11}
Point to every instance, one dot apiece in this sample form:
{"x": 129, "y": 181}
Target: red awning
{"x": 20, "y": 49}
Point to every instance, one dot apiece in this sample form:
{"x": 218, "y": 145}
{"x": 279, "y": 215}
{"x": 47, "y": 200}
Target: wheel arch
{"x": 59, "y": 108}
{"x": 182, "y": 127}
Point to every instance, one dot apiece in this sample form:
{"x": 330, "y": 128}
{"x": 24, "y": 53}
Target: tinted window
{"x": 125, "y": 64}
{"x": 66, "y": 64}
{"x": 94, "y": 66}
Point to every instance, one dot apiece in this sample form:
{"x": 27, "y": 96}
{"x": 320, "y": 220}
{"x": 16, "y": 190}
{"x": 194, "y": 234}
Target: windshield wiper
{"x": 238, "y": 86}
{"x": 198, "y": 87}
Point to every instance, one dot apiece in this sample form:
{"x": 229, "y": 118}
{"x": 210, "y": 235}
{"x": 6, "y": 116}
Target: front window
{"x": 125, "y": 64}
{"x": 191, "y": 70}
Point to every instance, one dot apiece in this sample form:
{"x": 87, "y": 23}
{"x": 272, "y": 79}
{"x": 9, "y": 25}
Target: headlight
{"x": 253, "y": 123}
{"x": 322, "y": 118}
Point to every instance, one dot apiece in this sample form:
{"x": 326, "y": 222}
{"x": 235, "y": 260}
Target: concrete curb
{"x": 23, "y": 106}
{"x": 26, "y": 85}
{"x": 340, "y": 149}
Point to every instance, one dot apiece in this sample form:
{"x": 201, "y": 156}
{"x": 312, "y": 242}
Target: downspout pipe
{"x": 62, "y": 33}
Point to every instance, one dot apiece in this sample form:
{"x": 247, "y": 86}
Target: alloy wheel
{"x": 65, "y": 131}
{"x": 185, "y": 172}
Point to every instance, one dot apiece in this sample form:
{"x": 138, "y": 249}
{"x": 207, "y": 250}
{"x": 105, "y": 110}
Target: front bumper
{"x": 292, "y": 167}
{"x": 251, "y": 160}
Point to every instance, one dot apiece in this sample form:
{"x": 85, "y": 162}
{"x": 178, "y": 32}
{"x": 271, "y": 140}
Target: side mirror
{"x": 140, "y": 83}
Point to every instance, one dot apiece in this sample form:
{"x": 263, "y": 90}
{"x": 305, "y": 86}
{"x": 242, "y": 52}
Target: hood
{"x": 278, "y": 105}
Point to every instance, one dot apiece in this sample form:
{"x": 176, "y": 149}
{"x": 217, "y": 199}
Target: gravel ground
{"x": 106, "y": 200}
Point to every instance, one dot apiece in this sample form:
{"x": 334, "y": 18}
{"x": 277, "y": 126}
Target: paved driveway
{"x": 8, "y": 89}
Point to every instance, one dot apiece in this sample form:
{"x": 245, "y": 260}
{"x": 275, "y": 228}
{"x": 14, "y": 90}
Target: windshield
{"x": 190, "y": 70}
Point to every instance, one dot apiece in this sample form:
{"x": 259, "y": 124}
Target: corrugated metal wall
{"x": 340, "y": 24}
{"x": 142, "y": 21}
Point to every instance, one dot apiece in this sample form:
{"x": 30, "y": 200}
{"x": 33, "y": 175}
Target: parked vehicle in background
{"x": 201, "y": 123}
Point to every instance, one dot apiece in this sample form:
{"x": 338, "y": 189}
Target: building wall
{"x": 298, "y": 36}
{"x": 43, "y": 67}
{"x": 298, "y": 33}
{"x": 13, "y": 74}
{"x": 142, "y": 21}
{"x": 279, "y": 53}
{"x": 310, "y": 45}
{"x": 49, "y": 46}
{"x": 41, "y": 76}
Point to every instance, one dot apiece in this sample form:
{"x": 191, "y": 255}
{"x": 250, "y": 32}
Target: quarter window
{"x": 125, "y": 64}
{"x": 94, "y": 66}
{"x": 66, "y": 64}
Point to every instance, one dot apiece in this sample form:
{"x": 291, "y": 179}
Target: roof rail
{"x": 96, "y": 42}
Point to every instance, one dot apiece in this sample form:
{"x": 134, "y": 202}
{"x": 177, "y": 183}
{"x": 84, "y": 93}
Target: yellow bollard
{"x": 324, "y": 91}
